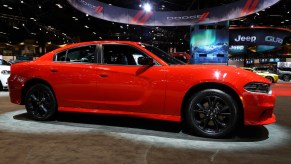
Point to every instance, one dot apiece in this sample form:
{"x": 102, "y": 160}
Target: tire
{"x": 270, "y": 79}
{"x": 1, "y": 86}
{"x": 212, "y": 113}
{"x": 40, "y": 103}
{"x": 286, "y": 78}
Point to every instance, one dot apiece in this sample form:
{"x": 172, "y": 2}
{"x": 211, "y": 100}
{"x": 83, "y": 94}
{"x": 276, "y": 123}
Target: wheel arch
{"x": 31, "y": 83}
{"x": 212, "y": 85}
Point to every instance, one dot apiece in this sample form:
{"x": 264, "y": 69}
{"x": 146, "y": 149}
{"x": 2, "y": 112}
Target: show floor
{"x": 81, "y": 138}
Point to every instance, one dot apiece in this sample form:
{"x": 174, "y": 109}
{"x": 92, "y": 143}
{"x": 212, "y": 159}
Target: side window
{"x": 82, "y": 54}
{"x": 85, "y": 54}
{"x": 61, "y": 56}
{"x": 121, "y": 54}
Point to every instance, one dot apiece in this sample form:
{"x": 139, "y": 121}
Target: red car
{"x": 139, "y": 80}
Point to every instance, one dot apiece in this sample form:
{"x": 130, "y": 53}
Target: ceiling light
{"x": 86, "y": 26}
{"x": 39, "y": 6}
{"x": 121, "y": 27}
{"x": 287, "y": 20}
{"x": 21, "y": 2}
{"x": 10, "y": 8}
{"x": 100, "y": 37}
{"x": 257, "y": 13}
{"x": 288, "y": 12}
{"x": 60, "y": 6}
{"x": 94, "y": 33}
{"x": 109, "y": 4}
{"x": 16, "y": 27}
{"x": 5, "y": 5}
{"x": 140, "y": 5}
{"x": 252, "y": 26}
{"x": 282, "y": 22}
{"x": 147, "y": 7}
{"x": 87, "y": 15}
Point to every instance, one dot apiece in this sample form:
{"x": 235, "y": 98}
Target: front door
{"x": 124, "y": 85}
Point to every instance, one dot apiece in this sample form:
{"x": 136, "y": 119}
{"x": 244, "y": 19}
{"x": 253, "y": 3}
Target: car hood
{"x": 219, "y": 72}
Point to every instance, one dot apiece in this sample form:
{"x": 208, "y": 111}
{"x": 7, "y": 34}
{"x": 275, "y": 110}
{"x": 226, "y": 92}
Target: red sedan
{"x": 139, "y": 80}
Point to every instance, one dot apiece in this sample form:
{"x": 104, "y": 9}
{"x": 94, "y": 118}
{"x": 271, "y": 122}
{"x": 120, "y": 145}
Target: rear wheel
{"x": 40, "y": 103}
{"x": 212, "y": 113}
{"x": 270, "y": 79}
{"x": 286, "y": 78}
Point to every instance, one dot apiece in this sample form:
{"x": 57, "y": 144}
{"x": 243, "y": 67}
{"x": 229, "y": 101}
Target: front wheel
{"x": 1, "y": 86}
{"x": 40, "y": 103}
{"x": 212, "y": 113}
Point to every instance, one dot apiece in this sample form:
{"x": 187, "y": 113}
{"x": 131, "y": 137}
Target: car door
{"x": 123, "y": 85}
{"x": 73, "y": 77}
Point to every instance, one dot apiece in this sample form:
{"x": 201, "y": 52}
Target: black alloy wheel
{"x": 212, "y": 113}
{"x": 270, "y": 79}
{"x": 286, "y": 78}
{"x": 40, "y": 103}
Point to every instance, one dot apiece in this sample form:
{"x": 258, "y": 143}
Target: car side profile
{"x": 4, "y": 74}
{"x": 139, "y": 80}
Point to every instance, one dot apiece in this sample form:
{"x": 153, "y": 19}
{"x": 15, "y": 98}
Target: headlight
{"x": 258, "y": 87}
{"x": 5, "y": 72}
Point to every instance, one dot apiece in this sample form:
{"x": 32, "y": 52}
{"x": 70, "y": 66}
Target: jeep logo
{"x": 245, "y": 39}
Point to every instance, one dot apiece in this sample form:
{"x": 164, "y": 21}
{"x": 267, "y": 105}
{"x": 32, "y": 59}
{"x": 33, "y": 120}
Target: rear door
{"x": 73, "y": 77}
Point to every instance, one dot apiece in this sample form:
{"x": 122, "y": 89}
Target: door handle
{"x": 103, "y": 75}
{"x": 54, "y": 70}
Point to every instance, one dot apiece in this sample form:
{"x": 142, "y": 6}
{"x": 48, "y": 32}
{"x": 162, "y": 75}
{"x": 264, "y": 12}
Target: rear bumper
{"x": 258, "y": 108}
{"x": 15, "y": 90}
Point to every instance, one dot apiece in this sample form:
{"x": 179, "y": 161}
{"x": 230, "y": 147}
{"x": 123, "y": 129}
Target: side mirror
{"x": 145, "y": 61}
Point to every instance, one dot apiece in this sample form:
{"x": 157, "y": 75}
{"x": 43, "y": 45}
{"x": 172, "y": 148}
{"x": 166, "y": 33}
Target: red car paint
{"x": 155, "y": 92}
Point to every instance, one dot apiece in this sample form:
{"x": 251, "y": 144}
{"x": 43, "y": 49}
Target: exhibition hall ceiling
{"x": 58, "y": 22}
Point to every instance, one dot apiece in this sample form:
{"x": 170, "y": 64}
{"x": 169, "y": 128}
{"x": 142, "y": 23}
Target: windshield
{"x": 163, "y": 55}
{"x": 3, "y": 62}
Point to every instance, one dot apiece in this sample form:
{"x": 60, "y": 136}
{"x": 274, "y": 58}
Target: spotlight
{"x": 147, "y": 7}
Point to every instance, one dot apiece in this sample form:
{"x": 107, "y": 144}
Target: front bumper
{"x": 258, "y": 108}
{"x": 4, "y": 81}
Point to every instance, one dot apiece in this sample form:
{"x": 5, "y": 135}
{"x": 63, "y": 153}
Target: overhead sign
{"x": 229, "y": 11}
{"x": 258, "y": 36}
